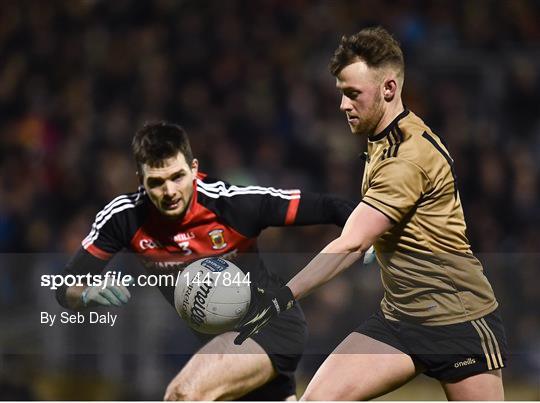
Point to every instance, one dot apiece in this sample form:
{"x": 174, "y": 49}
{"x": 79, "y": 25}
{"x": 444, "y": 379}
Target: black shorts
{"x": 448, "y": 352}
{"x": 284, "y": 340}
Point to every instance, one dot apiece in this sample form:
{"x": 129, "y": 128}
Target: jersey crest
{"x": 218, "y": 239}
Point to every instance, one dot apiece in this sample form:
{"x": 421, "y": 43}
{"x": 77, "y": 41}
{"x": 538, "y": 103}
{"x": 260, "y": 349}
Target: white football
{"x": 212, "y": 295}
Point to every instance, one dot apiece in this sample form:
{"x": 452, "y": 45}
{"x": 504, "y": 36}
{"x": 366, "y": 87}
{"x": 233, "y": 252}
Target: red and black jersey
{"x": 222, "y": 220}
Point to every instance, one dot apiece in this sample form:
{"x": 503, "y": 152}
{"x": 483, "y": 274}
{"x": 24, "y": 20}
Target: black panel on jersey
{"x": 446, "y": 157}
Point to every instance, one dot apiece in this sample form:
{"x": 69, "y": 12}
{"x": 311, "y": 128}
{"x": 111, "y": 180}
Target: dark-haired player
{"x": 180, "y": 215}
{"x": 439, "y": 314}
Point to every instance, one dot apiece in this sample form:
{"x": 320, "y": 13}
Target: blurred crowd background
{"x": 249, "y": 82}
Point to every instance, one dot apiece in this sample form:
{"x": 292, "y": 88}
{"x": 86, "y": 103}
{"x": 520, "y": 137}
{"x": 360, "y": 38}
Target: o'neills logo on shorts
{"x": 468, "y": 361}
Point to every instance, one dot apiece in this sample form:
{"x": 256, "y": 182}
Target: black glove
{"x": 265, "y": 304}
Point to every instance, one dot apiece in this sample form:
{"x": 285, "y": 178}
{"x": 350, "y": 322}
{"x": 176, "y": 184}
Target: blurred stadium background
{"x": 249, "y": 81}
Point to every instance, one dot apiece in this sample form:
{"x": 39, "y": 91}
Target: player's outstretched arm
{"x": 361, "y": 230}
{"x": 72, "y": 298}
{"x": 84, "y": 296}
{"x": 296, "y": 207}
{"x": 315, "y": 208}
{"x": 110, "y": 233}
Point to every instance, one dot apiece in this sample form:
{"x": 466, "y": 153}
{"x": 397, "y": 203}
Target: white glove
{"x": 116, "y": 295}
{"x": 369, "y": 256}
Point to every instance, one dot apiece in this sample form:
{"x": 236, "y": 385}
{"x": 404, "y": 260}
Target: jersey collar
{"x": 384, "y": 133}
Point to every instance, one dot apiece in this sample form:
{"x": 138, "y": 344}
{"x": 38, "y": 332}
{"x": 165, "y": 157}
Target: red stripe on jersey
{"x": 100, "y": 254}
{"x": 291, "y": 211}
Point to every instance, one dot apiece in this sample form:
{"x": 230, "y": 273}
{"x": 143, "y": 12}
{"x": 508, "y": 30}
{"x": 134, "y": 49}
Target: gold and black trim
{"x": 399, "y": 135}
{"x": 495, "y": 343}
{"x": 386, "y": 152}
{"x": 483, "y": 343}
{"x": 386, "y": 131}
{"x": 446, "y": 157}
{"x": 395, "y": 138}
{"x": 378, "y": 209}
{"x": 489, "y": 343}
{"x": 398, "y": 138}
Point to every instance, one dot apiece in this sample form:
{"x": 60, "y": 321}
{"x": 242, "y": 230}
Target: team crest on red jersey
{"x": 217, "y": 238}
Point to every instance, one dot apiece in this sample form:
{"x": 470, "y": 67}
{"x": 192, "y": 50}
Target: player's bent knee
{"x": 181, "y": 389}
{"x": 178, "y": 392}
{"x": 188, "y": 387}
{"x": 175, "y": 393}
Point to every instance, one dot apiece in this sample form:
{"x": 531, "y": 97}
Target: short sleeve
{"x": 112, "y": 227}
{"x": 395, "y": 187}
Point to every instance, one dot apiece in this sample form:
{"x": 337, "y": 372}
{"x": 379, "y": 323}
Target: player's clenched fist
{"x": 265, "y": 305}
{"x": 116, "y": 295}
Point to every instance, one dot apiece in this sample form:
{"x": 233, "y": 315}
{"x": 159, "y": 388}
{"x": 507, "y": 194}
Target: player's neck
{"x": 392, "y": 111}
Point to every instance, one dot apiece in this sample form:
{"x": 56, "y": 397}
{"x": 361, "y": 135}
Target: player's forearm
{"x": 332, "y": 260}
{"x": 82, "y": 263}
{"x": 73, "y": 298}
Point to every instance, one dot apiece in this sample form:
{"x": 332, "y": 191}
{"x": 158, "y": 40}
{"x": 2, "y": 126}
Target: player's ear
{"x": 389, "y": 89}
{"x": 139, "y": 177}
{"x": 195, "y": 166}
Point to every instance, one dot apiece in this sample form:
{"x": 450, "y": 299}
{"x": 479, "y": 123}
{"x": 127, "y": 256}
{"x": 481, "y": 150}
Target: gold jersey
{"x": 428, "y": 271}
